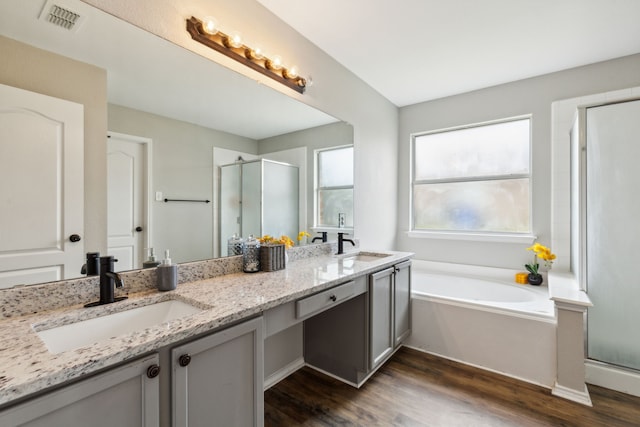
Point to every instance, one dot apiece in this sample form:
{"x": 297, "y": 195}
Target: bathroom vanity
{"x": 206, "y": 367}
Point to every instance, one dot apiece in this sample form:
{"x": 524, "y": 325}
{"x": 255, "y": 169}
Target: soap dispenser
{"x": 167, "y": 274}
{"x": 151, "y": 260}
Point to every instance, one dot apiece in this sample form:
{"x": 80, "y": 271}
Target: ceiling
{"x": 412, "y": 51}
{"x": 150, "y": 74}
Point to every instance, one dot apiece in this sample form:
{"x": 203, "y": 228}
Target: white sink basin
{"x": 85, "y": 332}
{"x": 364, "y": 256}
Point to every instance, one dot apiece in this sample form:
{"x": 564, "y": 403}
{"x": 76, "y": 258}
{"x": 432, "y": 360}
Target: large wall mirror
{"x": 182, "y": 117}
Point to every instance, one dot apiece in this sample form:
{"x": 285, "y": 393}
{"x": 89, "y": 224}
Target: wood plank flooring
{"x": 417, "y": 389}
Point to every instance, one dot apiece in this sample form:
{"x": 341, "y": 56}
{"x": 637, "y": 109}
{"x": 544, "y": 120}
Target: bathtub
{"x": 479, "y": 317}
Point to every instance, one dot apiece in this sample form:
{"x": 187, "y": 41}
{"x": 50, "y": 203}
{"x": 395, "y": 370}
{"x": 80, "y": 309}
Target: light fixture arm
{"x": 243, "y": 55}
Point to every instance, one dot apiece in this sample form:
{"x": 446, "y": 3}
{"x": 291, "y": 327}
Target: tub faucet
{"x": 108, "y": 280}
{"x": 341, "y": 241}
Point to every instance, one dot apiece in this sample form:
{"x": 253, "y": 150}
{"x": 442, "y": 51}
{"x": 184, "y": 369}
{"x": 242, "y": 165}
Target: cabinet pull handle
{"x": 184, "y": 360}
{"x": 153, "y": 371}
{"x": 333, "y": 298}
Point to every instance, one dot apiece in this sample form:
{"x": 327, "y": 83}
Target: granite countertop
{"x": 26, "y": 366}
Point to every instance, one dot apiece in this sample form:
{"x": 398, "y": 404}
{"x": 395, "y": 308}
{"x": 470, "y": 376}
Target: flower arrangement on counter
{"x": 545, "y": 254}
{"x": 282, "y": 240}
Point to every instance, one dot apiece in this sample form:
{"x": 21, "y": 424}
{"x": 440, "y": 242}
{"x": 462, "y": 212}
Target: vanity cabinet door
{"x": 402, "y": 303}
{"x": 381, "y": 341}
{"x": 124, "y": 396}
{"x": 218, "y": 380}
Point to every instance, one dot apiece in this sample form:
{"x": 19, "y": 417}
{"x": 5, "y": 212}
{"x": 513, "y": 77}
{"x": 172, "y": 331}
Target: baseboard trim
{"x": 581, "y": 397}
{"x": 283, "y": 373}
{"x": 611, "y": 377}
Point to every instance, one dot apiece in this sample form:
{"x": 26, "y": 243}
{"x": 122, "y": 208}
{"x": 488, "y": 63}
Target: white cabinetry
{"x": 217, "y": 380}
{"x": 127, "y": 395}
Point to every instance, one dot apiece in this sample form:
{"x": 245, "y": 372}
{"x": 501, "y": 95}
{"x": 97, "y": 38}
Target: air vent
{"x": 60, "y": 15}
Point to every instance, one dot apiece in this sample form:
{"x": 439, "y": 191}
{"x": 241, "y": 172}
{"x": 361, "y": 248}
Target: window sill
{"x": 527, "y": 239}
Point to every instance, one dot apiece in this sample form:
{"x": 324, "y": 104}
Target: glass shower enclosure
{"x": 258, "y": 197}
{"x": 612, "y": 206}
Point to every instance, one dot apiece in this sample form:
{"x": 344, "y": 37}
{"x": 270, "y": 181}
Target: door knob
{"x": 138, "y": 229}
{"x": 75, "y": 238}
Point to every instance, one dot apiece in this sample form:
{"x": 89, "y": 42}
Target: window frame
{"x": 474, "y": 235}
{"x": 317, "y": 188}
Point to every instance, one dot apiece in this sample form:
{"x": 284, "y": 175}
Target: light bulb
{"x": 210, "y": 25}
{"x": 254, "y": 53}
{"x": 235, "y": 39}
{"x": 291, "y": 72}
{"x": 274, "y": 63}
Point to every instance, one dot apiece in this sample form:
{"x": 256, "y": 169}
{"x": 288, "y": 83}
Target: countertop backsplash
{"x": 32, "y": 299}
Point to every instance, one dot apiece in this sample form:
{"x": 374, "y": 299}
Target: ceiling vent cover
{"x": 61, "y": 16}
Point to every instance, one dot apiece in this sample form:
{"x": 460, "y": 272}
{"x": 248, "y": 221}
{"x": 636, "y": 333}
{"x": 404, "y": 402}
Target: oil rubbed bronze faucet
{"x": 108, "y": 281}
{"x": 323, "y": 237}
{"x": 341, "y": 241}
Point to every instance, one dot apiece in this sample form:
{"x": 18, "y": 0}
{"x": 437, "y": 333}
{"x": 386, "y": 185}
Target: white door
{"x": 41, "y": 187}
{"x": 126, "y": 200}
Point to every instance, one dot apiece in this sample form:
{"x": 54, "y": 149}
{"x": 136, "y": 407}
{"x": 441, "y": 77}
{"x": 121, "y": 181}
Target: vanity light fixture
{"x": 208, "y": 33}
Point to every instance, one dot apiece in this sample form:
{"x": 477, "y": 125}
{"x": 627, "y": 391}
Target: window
{"x": 473, "y": 179}
{"x": 334, "y": 186}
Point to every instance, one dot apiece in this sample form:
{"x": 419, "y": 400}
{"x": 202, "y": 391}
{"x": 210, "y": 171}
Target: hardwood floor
{"x": 417, "y": 389}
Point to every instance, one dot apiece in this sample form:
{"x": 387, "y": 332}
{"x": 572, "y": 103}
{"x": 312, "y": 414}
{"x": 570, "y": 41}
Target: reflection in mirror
{"x": 257, "y": 198}
{"x": 334, "y": 190}
{"x": 187, "y": 114}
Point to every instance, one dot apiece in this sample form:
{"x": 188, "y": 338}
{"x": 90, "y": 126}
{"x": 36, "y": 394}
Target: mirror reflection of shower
{"x": 258, "y": 197}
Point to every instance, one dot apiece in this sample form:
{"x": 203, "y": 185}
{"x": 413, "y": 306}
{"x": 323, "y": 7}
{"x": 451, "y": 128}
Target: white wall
{"x": 335, "y": 91}
{"x": 531, "y": 96}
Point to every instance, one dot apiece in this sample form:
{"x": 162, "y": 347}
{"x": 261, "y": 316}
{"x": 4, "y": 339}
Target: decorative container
{"x": 535, "y": 279}
{"x": 234, "y": 245}
{"x": 272, "y": 257}
{"x": 251, "y": 255}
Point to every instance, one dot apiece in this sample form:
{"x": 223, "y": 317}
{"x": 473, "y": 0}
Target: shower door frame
{"x": 582, "y": 270}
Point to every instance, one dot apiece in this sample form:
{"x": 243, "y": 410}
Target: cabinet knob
{"x": 333, "y": 298}
{"x": 153, "y": 371}
{"x": 75, "y": 238}
{"x": 184, "y": 360}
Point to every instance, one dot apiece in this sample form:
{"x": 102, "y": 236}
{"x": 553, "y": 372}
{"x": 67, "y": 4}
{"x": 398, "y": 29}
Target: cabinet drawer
{"x": 327, "y": 299}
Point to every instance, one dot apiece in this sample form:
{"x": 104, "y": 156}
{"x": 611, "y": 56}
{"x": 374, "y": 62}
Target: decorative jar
{"x": 251, "y": 255}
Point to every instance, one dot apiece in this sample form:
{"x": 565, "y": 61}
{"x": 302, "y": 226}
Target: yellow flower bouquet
{"x": 273, "y": 254}
{"x": 282, "y": 240}
{"x": 544, "y": 253}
